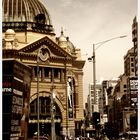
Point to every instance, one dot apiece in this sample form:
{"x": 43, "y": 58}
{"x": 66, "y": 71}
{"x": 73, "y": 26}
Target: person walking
{"x": 106, "y": 138}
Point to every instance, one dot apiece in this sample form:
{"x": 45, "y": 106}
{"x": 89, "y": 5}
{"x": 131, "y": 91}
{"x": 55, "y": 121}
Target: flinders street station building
{"x": 37, "y": 65}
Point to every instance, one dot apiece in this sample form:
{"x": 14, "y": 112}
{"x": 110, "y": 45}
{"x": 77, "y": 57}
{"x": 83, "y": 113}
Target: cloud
{"x": 66, "y": 3}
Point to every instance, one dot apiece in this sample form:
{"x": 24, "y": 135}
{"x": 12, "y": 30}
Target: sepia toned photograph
{"x": 70, "y": 69}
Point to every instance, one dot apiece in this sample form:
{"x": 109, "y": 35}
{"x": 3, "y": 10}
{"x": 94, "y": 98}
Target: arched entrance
{"x": 45, "y": 117}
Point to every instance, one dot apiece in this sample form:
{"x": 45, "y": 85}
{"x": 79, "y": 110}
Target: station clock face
{"x": 43, "y": 53}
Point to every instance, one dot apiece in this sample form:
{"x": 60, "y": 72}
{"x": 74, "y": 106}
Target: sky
{"x": 87, "y": 22}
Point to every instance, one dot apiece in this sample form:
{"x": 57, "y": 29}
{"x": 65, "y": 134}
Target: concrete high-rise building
{"x": 135, "y": 43}
{"x": 129, "y": 63}
{"x": 91, "y": 96}
{"x": 125, "y": 96}
{"x": 108, "y": 87}
{"x": 105, "y": 97}
{"x": 91, "y": 99}
{"x": 29, "y": 37}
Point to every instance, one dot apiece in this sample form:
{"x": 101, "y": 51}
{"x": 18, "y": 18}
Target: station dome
{"x": 10, "y": 31}
{"x": 62, "y": 37}
{"x": 23, "y": 13}
{"x": 10, "y": 35}
{"x": 70, "y": 46}
{"x": 64, "y": 42}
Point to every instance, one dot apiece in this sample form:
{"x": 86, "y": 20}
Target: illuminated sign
{"x": 17, "y": 100}
{"x": 133, "y": 90}
{"x": 6, "y": 89}
{"x": 133, "y": 84}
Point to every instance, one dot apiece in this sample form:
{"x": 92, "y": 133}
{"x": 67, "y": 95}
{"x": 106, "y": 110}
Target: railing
{"x": 27, "y": 26}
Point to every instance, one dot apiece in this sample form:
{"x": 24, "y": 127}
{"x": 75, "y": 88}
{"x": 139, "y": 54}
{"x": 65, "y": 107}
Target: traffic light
{"x": 95, "y": 118}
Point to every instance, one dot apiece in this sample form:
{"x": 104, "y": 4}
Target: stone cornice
{"x": 79, "y": 63}
{"x": 33, "y": 56}
{"x": 45, "y": 40}
{"x": 57, "y": 53}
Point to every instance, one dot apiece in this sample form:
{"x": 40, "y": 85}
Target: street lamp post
{"x": 52, "y": 114}
{"x": 94, "y": 75}
{"x": 38, "y": 129}
{"x": 92, "y": 58}
{"x": 67, "y": 123}
{"x": 43, "y": 55}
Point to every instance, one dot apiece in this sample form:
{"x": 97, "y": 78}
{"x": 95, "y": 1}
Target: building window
{"x": 132, "y": 59}
{"x": 33, "y": 107}
{"x": 47, "y": 73}
{"x": 35, "y": 71}
{"x": 42, "y": 100}
{"x": 56, "y": 73}
{"x": 132, "y": 70}
{"x": 92, "y": 101}
{"x": 92, "y": 94}
{"x": 124, "y": 86}
{"x": 132, "y": 64}
{"x": 91, "y": 87}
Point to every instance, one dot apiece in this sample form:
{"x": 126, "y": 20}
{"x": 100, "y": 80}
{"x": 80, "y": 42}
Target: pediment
{"x": 55, "y": 51}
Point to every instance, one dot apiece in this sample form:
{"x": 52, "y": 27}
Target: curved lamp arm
{"x": 103, "y": 42}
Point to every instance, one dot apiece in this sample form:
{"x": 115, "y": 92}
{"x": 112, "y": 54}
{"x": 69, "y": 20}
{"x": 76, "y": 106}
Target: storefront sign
{"x": 133, "y": 90}
{"x": 6, "y": 90}
{"x": 133, "y": 84}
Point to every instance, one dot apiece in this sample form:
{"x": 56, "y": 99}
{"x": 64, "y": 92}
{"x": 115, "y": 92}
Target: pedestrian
{"x": 77, "y": 138}
{"x": 106, "y": 138}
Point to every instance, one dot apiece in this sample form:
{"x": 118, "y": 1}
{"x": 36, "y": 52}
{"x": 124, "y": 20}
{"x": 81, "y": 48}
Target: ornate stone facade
{"x": 63, "y": 62}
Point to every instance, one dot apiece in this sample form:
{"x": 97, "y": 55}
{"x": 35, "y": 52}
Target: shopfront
{"x": 15, "y": 93}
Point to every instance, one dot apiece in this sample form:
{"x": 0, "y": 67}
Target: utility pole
{"x": 38, "y": 111}
{"x": 52, "y": 114}
{"x": 94, "y": 77}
